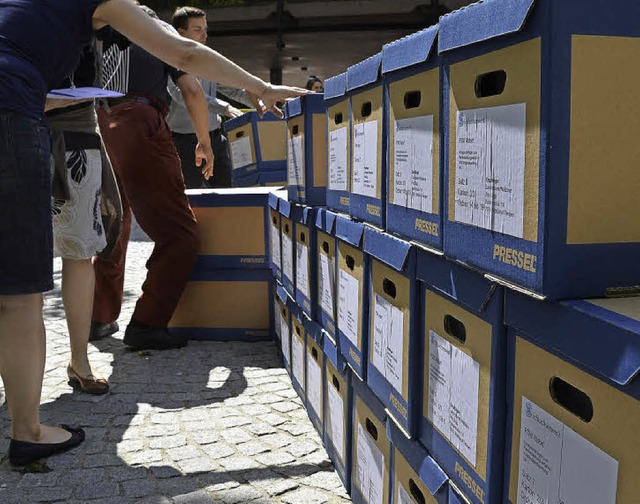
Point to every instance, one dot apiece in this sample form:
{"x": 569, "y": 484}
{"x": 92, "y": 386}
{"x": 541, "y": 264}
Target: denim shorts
{"x": 26, "y": 238}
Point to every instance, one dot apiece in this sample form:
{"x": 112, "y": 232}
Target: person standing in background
{"x": 314, "y": 84}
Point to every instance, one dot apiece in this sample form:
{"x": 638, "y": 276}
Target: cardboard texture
{"x": 393, "y": 346}
{"x": 256, "y": 144}
{"x": 553, "y": 85}
{"x": 326, "y": 271}
{"x": 463, "y": 379}
{"x": 416, "y": 476}
{"x": 232, "y": 227}
{"x": 368, "y": 142}
{"x": 298, "y": 352}
{"x": 305, "y": 257}
{"x": 371, "y": 469}
{"x": 314, "y": 375}
{"x": 337, "y": 411}
{"x": 289, "y": 212}
{"x": 306, "y": 149}
{"x": 283, "y": 321}
{"x": 338, "y": 138}
{"x": 229, "y": 317}
{"x": 587, "y": 392}
{"x": 352, "y": 302}
{"x": 410, "y": 67}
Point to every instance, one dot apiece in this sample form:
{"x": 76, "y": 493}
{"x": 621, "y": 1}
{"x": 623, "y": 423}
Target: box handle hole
{"x": 338, "y": 118}
{"x": 286, "y": 228}
{"x": 389, "y": 288}
{"x": 336, "y": 383}
{"x": 365, "y": 111}
{"x": 371, "y": 429}
{"x": 274, "y": 220}
{"x": 351, "y": 262}
{"x": 303, "y": 238}
{"x": 412, "y": 99}
{"x": 416, "y": 493}
{"x": 284, "y": 313}
{"x": 455, "y": 328}
{"x": 572, "y": 399}
{"x": 491, "y": 84}
{"x": 239, "y": 134}
{"x": 298, "y": 331}
{"x": 295, "y": 129}
{"x": 325, "y": 247}
{"x": 314, "y": 354}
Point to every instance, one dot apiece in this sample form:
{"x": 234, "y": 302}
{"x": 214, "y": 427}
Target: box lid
{"x": 330, "y": 349}
{"x": 307, "y": 216}
{"x": 237, "y": 196}
{"x": 390, "y": 250}
{"x": 284, "y": 207}
{"x": 408, "y": 51}
{"x": 349, "y": 231}
{"x": 335, "y": 87}
{"x": 312, "y": 103}
{"x": 480, "y": 21}
{"x": 313, "y": 329}
{"x": 282, "y": 293}
{"x": 602, "y": 335}
{"x": 365, "y": 72}
{"x": 325, "y": 220}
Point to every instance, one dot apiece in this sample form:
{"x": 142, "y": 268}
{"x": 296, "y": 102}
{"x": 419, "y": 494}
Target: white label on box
{"x": 370, "y": 468}
{"x": 338, "y": 160}
{"x": 326, "y": 283}
{"x": 558, "y": 466}
{"x": 388, "y": 347}
{"x": 413, "y": 163}
{"x": 454, "y": 381}
{"x": 302, "y": 269}
{"x": 295, "y": 161}
{"x": 287, "y": 256}
{"x": 348, "y": 306}
{"x": 336, "y": 419}
{"x": 314, "y": 385}
{"x": 365, "y": 159}
{"x": 403, "y": 495}
{"x": 285, "y": 338}
{"x": 297, "y": 359}
{"x": 241, "y": 154}
{"x": 490, "y": 151}
{"x": 275, "y": 246}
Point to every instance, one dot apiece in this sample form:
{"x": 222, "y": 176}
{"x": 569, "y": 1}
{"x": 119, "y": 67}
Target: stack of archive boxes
{"x": 465, "y": 290}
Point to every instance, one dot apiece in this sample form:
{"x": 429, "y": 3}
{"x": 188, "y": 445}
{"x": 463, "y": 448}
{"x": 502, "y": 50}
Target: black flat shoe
{"x": 140, "y": 336}
{"x": 23, "y": 452}
{"x": 100, "y": 331}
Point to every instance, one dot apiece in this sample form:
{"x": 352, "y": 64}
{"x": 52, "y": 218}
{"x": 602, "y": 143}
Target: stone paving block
{"x": 273, "y": 419}
{"x": 96, "y": 490}
{"x": 240, "y": 494}
{"x": 236, "y": 435}
{"x": 47, "y": 494}
{"x": 261, "y": 429}
{"x": 197, "y": 497}
{"x": 197, "y": 465}
{"x": 183, "y": 453}
{"x": 253, "y": 448}
{"x": 285, "y": 406}
{"x": 305, "y": 496}
{"x": 233, "y": 421}
{"x": 142, "y": 457}
{"x": 238, "y": 463}
{"x": 139, "y": 488}
{"x": 151, "y": 431}
{"x": 275, "y": 458}
{"x": 255, "y": 409}
{"x": 102, "y": 460}
{"x": 218, "y": 450}
{"x": 278, "y": 440}
{"x": 166, "y": 442}
{"x": 203, "y": 437}
{"x": 302, "y": 448}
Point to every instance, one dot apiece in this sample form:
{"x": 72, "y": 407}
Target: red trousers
{"x": 149, "y": 175}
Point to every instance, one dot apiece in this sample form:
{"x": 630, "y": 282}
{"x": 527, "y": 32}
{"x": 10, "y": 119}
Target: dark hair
{"x": 311, "y": 81}
{"x": 182, "y": 15}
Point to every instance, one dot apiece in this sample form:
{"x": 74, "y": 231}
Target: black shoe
{"x": 100, "y": 331}
{"x": 144, "y": 337}
{"x": 23, "y": 452}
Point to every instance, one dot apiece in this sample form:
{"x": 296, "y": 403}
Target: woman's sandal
{"x": 89, "y": 385}
{"x": 23, "y": 452}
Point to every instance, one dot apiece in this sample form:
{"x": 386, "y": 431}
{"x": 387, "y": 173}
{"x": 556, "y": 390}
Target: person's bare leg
{"x": 22, "y": 357}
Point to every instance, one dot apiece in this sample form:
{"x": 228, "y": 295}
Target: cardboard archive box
{"x": 307, "y": 149}
{"x": 540, "y": 100}
{"x": 353, "y": 295}
{"x": 338, "y": 108}
{"x": 410, "y": 67}
{"x": 283, "y": 325}
{"x": 574, "y": 396}
{"x": 337, "y": 410}
{"x": 368, "y": 142}
{"x": 463, "y": 378}
{"x": 275, "y": 239}
{"x": 298, "y": 346}
{"x": 304, "y": 228}
{"x": 371, "y": 458}
{"x": 327, "y": 267}
{"x": 256, "y": 144}
{"x": 314, "y": 388}
{"x": 289, "y": 212}
{"x": 394, "y": 341}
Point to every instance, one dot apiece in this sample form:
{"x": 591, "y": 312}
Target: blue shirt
{"x": 40, "y": 44}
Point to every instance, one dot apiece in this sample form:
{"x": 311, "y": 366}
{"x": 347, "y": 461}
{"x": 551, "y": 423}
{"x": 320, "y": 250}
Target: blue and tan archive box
{"x": 304, "y": 228}
{"x": 275, "y": 239}
{"x": 368, "y": 142}
{"x": 233, "y": 225}
{"x": 337, "y": 410}
{"x": 314, "y": 387}
{"x": 574, "y": 395}
{"x": 371, "y": 464}
{"x": 256, "y": 144}
{"x": 353, "y": 296}
{"x": 393, "y": 356}
{"x": 411, "y": 70}
{"x": 541, "y": 158}
{"x": 288, "y": 214}
{"x": 306, "y": 149}
{"x": 338, "y": 110}
{"x": 283, "y": 324}
{"x": 326, "y": 271}
{"x": 298, "y": 346}
{"x": 415, "y": 475}
{"x": 274, "y": 178}
{"x": 463, "y": 375}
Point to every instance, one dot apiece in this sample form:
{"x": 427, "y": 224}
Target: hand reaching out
{"x": 273, "y": 94}
{"x": 204, "y": 158}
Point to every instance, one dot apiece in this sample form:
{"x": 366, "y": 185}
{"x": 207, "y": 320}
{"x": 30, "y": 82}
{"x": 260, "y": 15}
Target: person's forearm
{"x": 196, "y": 105}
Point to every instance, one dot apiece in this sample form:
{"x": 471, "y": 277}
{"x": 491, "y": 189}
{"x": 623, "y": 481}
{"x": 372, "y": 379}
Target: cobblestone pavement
{"x": 210, "y": 423}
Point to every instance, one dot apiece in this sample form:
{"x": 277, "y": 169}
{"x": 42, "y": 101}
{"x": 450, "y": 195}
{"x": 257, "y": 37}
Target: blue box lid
{"x": 246, "y": 118}
{"x": 598, "y": 334}
{"x": 325, "y": 220}
{"x": 313, "y": 329}
{"x": 390, "y": 250}
{"x": 335, "y": 87}
{"x": 409, "y": 51}
{"x": 365, "y": 72}
{"x": 349, "y": 230}
{"x": 234, "y": 197}
{"x": 480, "y": 21}
{"x": 282, "y": 293}
{"x": 330, "y": 349}
{"x": 313, "y": 103}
